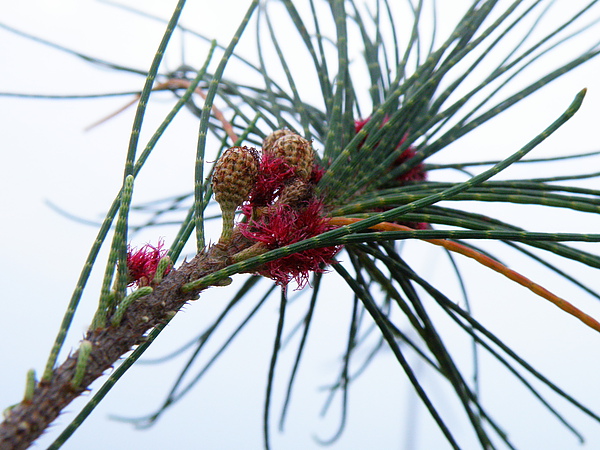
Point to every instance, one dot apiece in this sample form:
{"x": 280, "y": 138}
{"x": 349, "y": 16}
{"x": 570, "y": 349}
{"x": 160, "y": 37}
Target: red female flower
{"x": 286, "y": 225}
{"x": 417, "y": 173}
{"x": 282, "y": 208}
{"x": 273, "y": 173}
{"x": 142, "y": 263}
{"x": 316, "y": 174}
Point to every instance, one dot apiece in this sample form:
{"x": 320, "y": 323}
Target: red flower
{"x": 417, "y": 173}
{"x": 360, "y": 123}
{"x": 316, "y": 174}
{"x": 286, "y": 225}
{"x": 282, "y": 209}
{"x": 273, "y": 172}
{"x": 142, "y": 263}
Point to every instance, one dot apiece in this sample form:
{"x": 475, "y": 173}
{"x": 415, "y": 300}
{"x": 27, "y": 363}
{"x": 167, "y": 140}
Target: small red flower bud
{"x": 417, "y": 173}
{"x": 142, "y": 263}
{"x": 272, "y": 177}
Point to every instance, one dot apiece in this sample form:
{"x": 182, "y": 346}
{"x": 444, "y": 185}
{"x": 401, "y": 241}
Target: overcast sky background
{"x": 47, "y": 155}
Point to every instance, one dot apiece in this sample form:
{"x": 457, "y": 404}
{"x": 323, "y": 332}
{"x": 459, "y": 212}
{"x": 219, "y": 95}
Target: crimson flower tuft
{"x": 272, "y": 176}
{"x": 360, "y": 123}
{"x": 417, "y": 173}
{"x": 286, "y": 225}
{"x": 316, "y": 174}
{"x": 142, "y": 263}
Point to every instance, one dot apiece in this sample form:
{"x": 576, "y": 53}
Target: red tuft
{"x": 417, "y": 173}
{"x": 142, "y": 263}
{"x": 272, "y": 175}
{"x": 316, "y": 174}
{"x": 360, "y": 123}
{"x": 287, "y": 225}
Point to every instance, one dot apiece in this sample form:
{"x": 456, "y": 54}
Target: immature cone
{"x": 233, "y": 178}
{"x": 296, "y": 193}
{"x": 295, "y": 151}
{"x": 270, "y": 139}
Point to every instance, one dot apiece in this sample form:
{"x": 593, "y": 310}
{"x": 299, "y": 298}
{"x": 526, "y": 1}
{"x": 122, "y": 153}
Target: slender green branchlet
{"x": 163, "y": 265}
{"x": 224, "y": 282}
{"x": 82, "y": 361}
{"x": 117, "y": 257}
{"x": 120, "y": 239}
{"x": 30, "y": 383}
{"x": 136, "y": 295}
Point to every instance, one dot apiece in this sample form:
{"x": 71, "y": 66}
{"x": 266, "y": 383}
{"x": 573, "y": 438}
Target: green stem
{"x": 82, "y": 360}
{"x": 127, "y": 301}
{"x": 75, "y": 298}
{"x": 199, "y": 184}
{"x": 30, "y": 384}
{"x": 118, "y": 252}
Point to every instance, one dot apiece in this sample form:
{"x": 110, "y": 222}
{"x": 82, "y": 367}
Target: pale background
{"x": 47, "y": 156}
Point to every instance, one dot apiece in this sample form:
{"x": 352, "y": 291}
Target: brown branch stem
{"x": 26, "y": 421}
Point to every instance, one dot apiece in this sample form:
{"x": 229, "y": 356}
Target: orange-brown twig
{"x": 488, "y": 262}
{"x": 171, "y": 84}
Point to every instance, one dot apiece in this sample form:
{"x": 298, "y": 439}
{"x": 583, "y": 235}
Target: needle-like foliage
{"x": 380, "y": 98}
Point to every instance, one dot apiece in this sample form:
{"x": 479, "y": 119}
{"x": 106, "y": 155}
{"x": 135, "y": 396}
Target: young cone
{"x": 294, "y": 150}
{"x": 233, "y": 178}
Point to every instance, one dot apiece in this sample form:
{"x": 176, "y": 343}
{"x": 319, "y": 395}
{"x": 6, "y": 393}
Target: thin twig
{"x": 171, "y": 85}
{"x": 491, "y": 263}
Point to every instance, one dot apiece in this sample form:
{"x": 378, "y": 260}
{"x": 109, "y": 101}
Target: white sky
{"x": 47, "y": 156}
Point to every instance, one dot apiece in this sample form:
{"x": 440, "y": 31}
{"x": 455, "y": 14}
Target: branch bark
{"x": 25, "y": 422}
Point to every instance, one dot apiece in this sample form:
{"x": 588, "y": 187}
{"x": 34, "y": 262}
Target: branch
{"x": 26, "y": 421}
